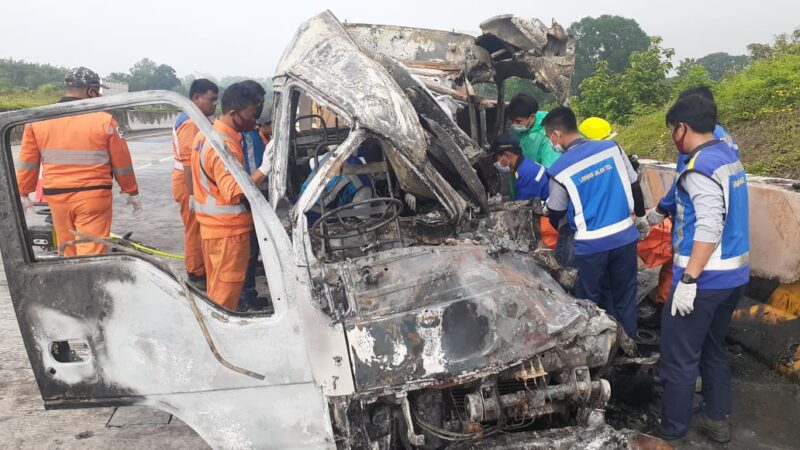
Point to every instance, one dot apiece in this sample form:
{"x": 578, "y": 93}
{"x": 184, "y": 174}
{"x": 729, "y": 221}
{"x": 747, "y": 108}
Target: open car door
{"x": 122, "y": 329}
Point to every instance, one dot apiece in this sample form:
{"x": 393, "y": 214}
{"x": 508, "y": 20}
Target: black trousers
{"x": 609, "y": 279}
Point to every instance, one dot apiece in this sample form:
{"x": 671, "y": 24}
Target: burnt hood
{"x": 437, "y": 314}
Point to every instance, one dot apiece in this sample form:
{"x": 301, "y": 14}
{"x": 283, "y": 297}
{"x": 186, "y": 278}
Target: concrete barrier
{"x": 774, "y": 219}
{"x": 132, "y": 122}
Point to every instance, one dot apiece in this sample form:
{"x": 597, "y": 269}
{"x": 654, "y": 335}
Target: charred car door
{"x": 137, "y": 334}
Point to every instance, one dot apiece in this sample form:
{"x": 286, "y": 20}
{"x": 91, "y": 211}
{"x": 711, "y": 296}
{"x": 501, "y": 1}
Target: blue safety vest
{"x": 667, "y": 204}
{"x": 729, "y": 266}
{"x": 531, "y": 181}
{"x": 253, "y": 149}
{"x": 600, "y": 200}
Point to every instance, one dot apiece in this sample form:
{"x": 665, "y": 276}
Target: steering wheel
{"x": 387, "y": 208}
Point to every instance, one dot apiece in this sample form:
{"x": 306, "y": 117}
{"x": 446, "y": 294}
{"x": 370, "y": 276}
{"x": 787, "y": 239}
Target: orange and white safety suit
{"x": 78, "y": 157}
{"x": 225, "y": 223}
{"x": 183, "y": 134}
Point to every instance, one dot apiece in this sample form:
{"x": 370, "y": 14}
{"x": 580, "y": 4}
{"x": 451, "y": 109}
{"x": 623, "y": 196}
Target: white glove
{"x": 191, "y": 203}
{"x": 642, "y": 227}
{"x": 411, "y": 201}
{"x": 654, "y": 217}
{"x": 683, "y": 298}
{"x": 266, "y": 163}
{"x": 27, "y": 205}
{"x": 135, "y": 204}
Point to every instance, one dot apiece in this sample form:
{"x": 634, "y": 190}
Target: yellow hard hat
{"x": 596, "y": 129}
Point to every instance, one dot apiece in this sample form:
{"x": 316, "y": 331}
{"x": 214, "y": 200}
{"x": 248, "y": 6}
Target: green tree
{"x": 720, "y": 63}
{"x": 692, "y": 76}
{"x": 147, "y": 74}
{"x": 618, "y": 96}
{"x": 21, "y": 74}
{"x": 605, "y": 38}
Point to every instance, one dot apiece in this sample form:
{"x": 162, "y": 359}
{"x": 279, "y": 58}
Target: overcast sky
{"x": 246, "y": 37}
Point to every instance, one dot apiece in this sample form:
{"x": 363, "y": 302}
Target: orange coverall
{"x": 78, "y": 156}
{"x": 182, "y": 138}
{"x": 225, "y": 224}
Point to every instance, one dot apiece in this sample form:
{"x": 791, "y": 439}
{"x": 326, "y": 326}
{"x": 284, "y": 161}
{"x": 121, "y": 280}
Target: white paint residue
{"x": 429, "y": 328}
{"x": 400, "y": 352}
{"x": 363, "y": 344}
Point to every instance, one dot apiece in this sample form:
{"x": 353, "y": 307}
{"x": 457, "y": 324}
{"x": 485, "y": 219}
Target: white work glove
{"x": 135, "y": 204}
{"x": 266, "y": 162}
{"x": 654, "y": 217}
{"x": 642, "y": 227}
{"x": 27, "y": 205}
{"x": 683, "y": 298}
{"x": 411, "y": 201}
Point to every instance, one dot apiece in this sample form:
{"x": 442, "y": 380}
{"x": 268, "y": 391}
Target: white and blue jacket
{"x": 600, "y": 206}
{"x": 729, "y": 266}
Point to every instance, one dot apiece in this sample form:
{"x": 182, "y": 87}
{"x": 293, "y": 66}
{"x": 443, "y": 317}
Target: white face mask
{"x": 519, "y": 128}
{"x": 501, "y": 168}
{"x": 557, "y": 146}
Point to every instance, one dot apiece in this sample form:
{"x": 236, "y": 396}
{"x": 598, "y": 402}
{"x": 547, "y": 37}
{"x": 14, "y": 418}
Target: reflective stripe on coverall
{"x": 183, "y": 134}
{"x": 78, "y": 155}
{"x": 225, "y": 223}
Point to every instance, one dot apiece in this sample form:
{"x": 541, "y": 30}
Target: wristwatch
{"x": 688, "y": 279}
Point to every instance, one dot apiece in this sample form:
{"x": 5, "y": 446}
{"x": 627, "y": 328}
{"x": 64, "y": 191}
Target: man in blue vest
{"x": 666, "y": 206}
{"x": 711, "y": 267}
{"x": 530, "y": 180}
{"x": 594, "y": 185}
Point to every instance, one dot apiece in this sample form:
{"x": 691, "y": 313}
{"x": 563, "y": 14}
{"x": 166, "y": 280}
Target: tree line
{"x": 26, "y": 84}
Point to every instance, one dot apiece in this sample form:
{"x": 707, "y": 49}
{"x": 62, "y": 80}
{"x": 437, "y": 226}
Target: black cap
{"x": 505, "y": 143}
{"x": 83, "y": 77}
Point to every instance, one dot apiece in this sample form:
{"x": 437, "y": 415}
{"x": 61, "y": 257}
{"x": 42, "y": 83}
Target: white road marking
{"x": 144, "y": 166}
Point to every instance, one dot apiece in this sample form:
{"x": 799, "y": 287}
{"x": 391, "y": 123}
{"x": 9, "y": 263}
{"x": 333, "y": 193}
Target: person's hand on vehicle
{"x": 411, "y": 202}
{"x": 136, "y": 205}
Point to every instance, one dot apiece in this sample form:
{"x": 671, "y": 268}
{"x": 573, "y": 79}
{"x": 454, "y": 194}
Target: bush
{"x": 766, "y": 86}
{"x": 18, "y": 98}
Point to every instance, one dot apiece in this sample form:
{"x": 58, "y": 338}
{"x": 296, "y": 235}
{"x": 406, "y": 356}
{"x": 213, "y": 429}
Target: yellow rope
{"x": 148, "y": 250}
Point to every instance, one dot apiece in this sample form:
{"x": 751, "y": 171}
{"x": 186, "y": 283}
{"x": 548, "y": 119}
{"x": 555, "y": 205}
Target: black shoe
{"x": 717, "y": 430}
{"x": 198, "y": 281}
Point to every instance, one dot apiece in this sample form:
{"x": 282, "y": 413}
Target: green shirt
{"x": 536, "y": 146}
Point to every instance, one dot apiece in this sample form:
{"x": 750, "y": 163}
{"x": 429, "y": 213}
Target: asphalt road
{"x": 766, "y": 406}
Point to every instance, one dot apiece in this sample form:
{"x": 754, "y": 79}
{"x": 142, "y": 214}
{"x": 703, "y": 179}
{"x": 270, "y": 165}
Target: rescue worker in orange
{"x": 203, "y": 94}
{"x": 220, "y": 205}
{"x": 78, "y": 155}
